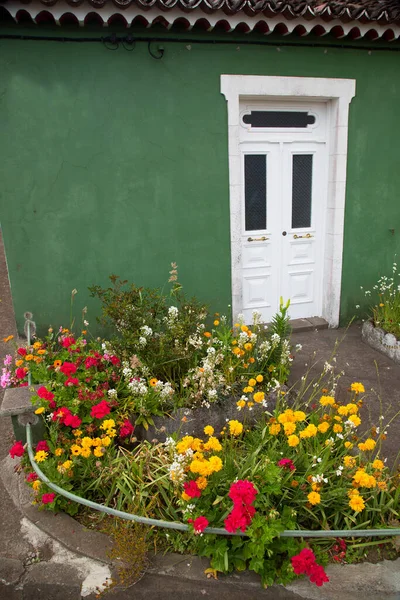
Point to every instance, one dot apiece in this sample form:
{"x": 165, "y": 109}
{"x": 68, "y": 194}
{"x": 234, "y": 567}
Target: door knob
{"x": 284, "y": 233}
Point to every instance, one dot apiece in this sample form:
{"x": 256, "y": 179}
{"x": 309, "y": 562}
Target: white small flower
{"x": 86, "y": 323}
{"x": 112, "y": 393}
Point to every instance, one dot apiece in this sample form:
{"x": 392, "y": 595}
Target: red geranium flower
{"x": 42, "y": 446}
{"x": 192, "y": 489}
{"x": 286, "y": 463}
{"x": 21, "y": 372}
{"x": 17, "y": 450}
{"x": 68, "y": 368}
{"x": 90, "y": 362}
{"x": 115, "y": 360}
{"x": 45, "y": 394}
{"x": 31, "y": 477}
{"x": 72, "y": 421}
{"x": 318, "y": 575}
{"x": 100, "y": 410}
{"x": 60, "y": 414}
{"x": 48, "y": 498}
{"x": 71, "y": 381}
{"x": 67, "y": 342}
{"x": 242, "y": 492}
{"x": 303, "y": 562}
{"x": 199, "y": 524}
{"x": 126, "y": 429}
{"x": 22, "y": 351}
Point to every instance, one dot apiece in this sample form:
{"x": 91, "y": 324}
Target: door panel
{"x": 284, "y": 186}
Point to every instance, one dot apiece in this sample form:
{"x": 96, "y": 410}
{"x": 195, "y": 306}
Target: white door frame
{"x": 338, "y": 94}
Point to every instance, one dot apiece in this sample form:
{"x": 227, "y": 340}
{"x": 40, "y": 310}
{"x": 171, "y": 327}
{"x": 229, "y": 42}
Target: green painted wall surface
{"x": 113, "y": 162}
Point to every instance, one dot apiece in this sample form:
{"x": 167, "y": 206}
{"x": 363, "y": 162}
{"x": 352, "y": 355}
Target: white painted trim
{"x": 338, "y": 93}
{"x": 154, "y": 14}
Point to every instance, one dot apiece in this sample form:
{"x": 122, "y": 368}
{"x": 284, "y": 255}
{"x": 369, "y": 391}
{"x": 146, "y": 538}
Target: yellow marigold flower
{"x": 327, "y": 401}
{"x": 41, "y": 456}
{"x": 357, "y": 503}
{"x": 299, "y": 416}
{"x": 41, "y": 351}
{"x": 185, "y": 497}
{"x": 153, "y": 381}
{"x": 57, "y": 363}
{"x": 337, "y": 428}
{"x": 234, "y": 342}
{"x": 213, "y": 444}
{"x": 236, "y": 350}
{"x": 353, "y": 492}
{"x": 336, "y": 418}
{"x": 348, "y": 445}
{"x": 343, "y": 410}
{"x": 207, "y": 334}
{"x": 77, "y": 433}
{"x": 237, "y": 325}
{"x": 36, "y": 485}
{"x": 208, "y": 430}
{"x": 274, "y": 429}
{"x": 244, "y": 328}
{"x": 349, "y": 462}
{"x": 315, "y": 487}
{"x": 216, "y": 322}
{"x": 107, "y": 424}
{"x": 323, "y": 427}
{"x": 235, "y": 428}
{"x": 39, "y": 410}
{"x": 293, "y": 440}
{"x": 355, "y": 419}
{"x": 197, "y": 445}
{"x": 252, "y": 382}
{"x": 250, "y": 404}
{"x": 58, "y": 451}
{"x": 67, "y": 464}
{"x": 198, "y": 456}
{"x": 37, "y": 345}
{"x": 37, "y": 359}
{"x": 201, "y": 483}
{"x": 259, "y": 378}
{"x": 378, "y": 465}
{"x": 197, "y": 466}
{"x": 253, "y": 360}
{"x": 357, "y": 387}
{"x": 184, "y": 444}
{"x": 241, "y": 403}
{"x": 248, "y": 389}
{"x": 352, "y": 408}
{"x": 86, "y": 442}
{"x": 111, "y": 433}
{"x": 370, "y": 444}
{"x": 99, "y": 451}
{"x": 86, "y": 452}
{"x": 314, "y": 498}
{"x": 96, "y": 442}
{"x": 215, "y": 463}
{"x": 19, "y": 363}
{"x": 248, "y": 346}
{"x": 258, "y": 397}
{"x": 363, "y": 479}
{"x": 310, "y": 431}
{"x": 382, "y": 485}
{"x": 75, "y": 450}
{"x": 105, "y": 441}
{"x": 8, "y": 338}
{"x": 289, "y": 428}
{"x": 29, "y": 357}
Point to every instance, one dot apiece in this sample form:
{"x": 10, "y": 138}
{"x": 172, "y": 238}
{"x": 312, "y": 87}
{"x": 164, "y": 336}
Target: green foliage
{"x": 385, "y": 312}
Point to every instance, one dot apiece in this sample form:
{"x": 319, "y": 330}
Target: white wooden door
{"x": 284, "y": 187}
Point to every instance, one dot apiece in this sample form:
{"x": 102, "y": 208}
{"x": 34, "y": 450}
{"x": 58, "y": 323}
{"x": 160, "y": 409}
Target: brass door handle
{"x": 299, "y": 237}
{"x": 260, "y": 239}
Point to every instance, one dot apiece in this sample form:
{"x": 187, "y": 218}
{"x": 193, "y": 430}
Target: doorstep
{"x": 310, "y": 324}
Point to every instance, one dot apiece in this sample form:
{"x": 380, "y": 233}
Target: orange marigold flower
{"x": 29, "y": 357}
{"x": 41, "y": 351}
{"x": 19, "y": 363}
{"x": 207, "y": 334}
{"x": 153, "y": 381}
{"x": 8, "y": 338}
{"x": 252, "y": 360}
{"x": 57, "y": 363}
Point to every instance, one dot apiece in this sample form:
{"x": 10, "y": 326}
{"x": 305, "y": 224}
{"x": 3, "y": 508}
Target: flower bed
{"x": 301, "y": 466}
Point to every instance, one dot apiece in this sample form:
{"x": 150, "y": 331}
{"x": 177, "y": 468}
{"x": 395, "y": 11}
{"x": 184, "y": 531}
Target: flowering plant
{"x": 385, "y": 312}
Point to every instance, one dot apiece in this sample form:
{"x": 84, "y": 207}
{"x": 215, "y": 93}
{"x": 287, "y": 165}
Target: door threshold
{"x": 309, "y": 324}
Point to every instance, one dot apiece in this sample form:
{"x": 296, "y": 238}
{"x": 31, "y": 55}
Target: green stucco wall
{"x": 113, "y": 162}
